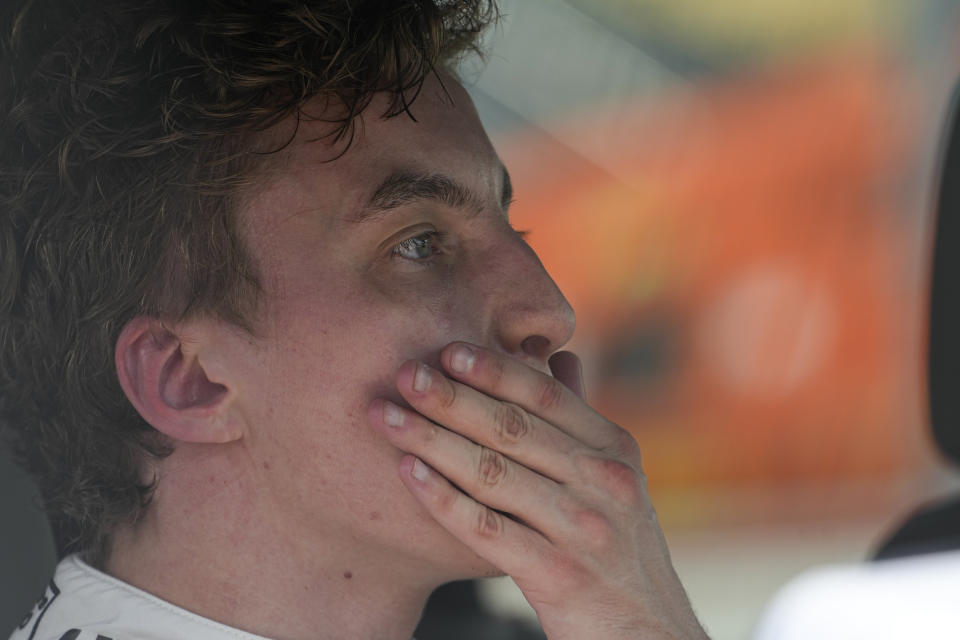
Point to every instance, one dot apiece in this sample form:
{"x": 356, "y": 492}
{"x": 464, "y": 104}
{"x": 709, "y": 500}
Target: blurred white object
{"x": 914, "y": 597}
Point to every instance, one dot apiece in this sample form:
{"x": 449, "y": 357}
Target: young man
{"x": 271, "y": 346}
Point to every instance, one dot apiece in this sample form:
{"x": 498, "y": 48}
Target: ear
{"x": 163, "y": 377}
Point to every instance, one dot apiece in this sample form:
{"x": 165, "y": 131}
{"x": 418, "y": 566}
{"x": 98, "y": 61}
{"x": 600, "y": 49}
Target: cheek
{"x": 332, "y": 348}
{"x": 326, "y": 357}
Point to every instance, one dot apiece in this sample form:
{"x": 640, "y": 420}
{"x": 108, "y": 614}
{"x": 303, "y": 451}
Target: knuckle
{"x": 444, "y": 502}
{"x": 446, "y": 394}
{"x": 492, "y": 467}
{"x": 594, "y": 527}
{"x": 625, "y": 445}
{"x": 489, "y": 523}
{"x": 511, "y": 422}
{"x": 430, "y": 433}
{"x": 621, "y": 480}
{"x": 550, "y": 394}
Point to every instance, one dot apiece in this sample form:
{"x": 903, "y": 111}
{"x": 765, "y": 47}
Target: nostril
{"x": 537, "y": 346}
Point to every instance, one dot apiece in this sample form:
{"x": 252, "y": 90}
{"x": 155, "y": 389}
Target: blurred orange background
{"x": 736, "y": 199}
{"x": 744, "y": 293}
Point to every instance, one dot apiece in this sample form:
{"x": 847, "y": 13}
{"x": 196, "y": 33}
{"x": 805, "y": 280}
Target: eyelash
{"x": 427, "y": 238}
{"x": 433, "y": 238}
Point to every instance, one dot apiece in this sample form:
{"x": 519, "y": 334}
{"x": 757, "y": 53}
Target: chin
{"x": 479, "y": 569}
{"x": 453, "y": 560}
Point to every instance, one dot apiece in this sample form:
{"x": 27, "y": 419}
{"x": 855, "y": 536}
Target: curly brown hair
{"x": 129, "y": 131}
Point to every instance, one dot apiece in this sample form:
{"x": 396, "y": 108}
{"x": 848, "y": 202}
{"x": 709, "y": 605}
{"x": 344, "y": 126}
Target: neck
{"x": 215, "y": 553}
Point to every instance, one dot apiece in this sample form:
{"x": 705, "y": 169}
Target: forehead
{"x": 442, "y": 134}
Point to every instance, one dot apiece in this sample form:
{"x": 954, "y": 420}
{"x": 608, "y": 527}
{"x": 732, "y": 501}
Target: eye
{"x": 420, "y": 247}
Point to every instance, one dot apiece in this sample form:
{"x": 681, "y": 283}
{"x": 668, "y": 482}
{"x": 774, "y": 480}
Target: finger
{"x": 510, "y": 546}
{"x": 486, "y": 475}
{"x": 566, "y": 367}
{"x": 508, "y": 379}
{"x": 500, "y": 426}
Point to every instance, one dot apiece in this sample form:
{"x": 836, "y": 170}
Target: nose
{"x": 530, "y": 316}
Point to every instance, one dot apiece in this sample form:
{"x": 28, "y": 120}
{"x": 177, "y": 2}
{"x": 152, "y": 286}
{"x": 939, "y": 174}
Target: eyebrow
{"x": 402, "y": 188}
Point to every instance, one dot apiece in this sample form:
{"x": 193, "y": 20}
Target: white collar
{"x": 82, "y": 598}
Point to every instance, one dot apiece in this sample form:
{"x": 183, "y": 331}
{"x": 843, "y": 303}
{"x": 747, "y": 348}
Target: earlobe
{"x": 167, "y": 385}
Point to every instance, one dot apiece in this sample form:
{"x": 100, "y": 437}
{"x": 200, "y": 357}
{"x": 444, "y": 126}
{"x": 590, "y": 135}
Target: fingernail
{"x": 462, "y": 359}
{"x": 392, "y": 414}
{"x": 421, "y": 379}
{"x": 419, "y": 470}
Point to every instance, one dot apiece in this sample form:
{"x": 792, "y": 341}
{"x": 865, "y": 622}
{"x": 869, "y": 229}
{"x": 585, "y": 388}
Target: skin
{"x": 288, "y": 477}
